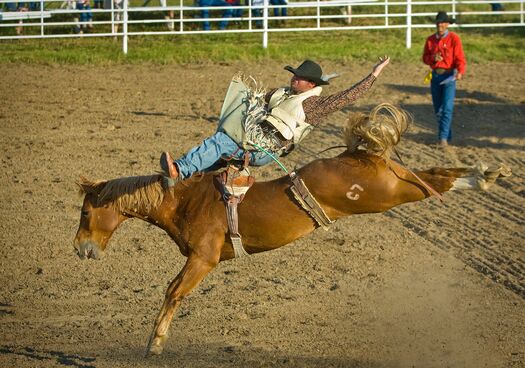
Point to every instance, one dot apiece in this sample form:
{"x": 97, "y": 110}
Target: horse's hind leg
{"x": 193, "y": 272}
{"x": 479, "y": 177}
{"x": 449, "y": 172}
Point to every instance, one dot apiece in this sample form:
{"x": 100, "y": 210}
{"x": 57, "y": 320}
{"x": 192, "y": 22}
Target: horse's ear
{"x": 81, "y": 185}
{"x": 85, "y": 185}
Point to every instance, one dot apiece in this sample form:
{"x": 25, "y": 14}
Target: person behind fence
{"x": 236, "y": 11}
{"x": 284, "y": 11}
{"x": 85, "y": 17}
{"x": 257, "y": 7}
{"x": 205, "y": 13}
{"x": 169, "y": 15}
{"x": 443, "y": 52}
{"x": 21, "y": 7}
{"x": 12, "y": 7}
{"x": 116, "y": 6}
{"x": 256, "y": 123}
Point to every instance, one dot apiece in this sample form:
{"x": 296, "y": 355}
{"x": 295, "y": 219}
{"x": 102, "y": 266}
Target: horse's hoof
{"x": 156, "y": 346}
{"x": 155, "y": 350}
{"x": 504, "y": 171}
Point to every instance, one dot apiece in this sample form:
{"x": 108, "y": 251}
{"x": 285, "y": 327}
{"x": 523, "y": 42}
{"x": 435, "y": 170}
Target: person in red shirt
{"x": 443, "y": 52}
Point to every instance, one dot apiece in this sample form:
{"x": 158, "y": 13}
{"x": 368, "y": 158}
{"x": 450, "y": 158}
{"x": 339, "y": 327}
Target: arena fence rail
{"x": 125, "y": 18}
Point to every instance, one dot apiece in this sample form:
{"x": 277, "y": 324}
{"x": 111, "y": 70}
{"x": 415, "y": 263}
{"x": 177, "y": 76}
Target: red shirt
{"x": 451, "y": 50}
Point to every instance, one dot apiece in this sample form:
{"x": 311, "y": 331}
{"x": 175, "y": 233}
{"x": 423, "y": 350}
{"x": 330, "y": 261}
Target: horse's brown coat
{"x": 193, "y": 214}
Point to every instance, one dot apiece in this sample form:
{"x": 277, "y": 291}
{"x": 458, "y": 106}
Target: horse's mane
{"x": 134, "y": 192}
{"x": 378, "y": 131}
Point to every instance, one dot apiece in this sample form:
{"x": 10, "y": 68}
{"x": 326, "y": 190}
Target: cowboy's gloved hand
{"x": 383, "y": 61}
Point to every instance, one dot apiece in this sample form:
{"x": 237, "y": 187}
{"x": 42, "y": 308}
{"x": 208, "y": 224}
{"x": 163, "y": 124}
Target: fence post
{"x": 181, "y": 16}
{"x": 41, "y": 17}
{"x": 409, "y": 24}
{"x": 318, "y": 15}
{"x": 112, "y": 16}
{"x": 265, "y": 24}
{"x": 250, "y": 4}
{"x": 386, "y": 13}
{"x": 125, "y": 28}
{"x": 521, "y": 11}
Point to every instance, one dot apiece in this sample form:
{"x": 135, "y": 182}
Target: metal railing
{"x": 125, "y": 18}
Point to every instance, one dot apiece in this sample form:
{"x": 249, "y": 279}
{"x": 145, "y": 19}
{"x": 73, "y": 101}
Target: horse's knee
{"x": 196, "y": 268}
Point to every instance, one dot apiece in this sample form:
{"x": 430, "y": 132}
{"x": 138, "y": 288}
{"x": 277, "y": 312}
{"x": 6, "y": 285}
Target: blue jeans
{"x": 236, "y": 12}
{"x": 11, "y": 6}
{"x": 443, "y": 101}
{"x": 257, "y": 13}
{"x": 205, "y": 13}
{"x": 84, "y": 17}
{"x": 284, "y": 11}
{"x": 205, "y": 156}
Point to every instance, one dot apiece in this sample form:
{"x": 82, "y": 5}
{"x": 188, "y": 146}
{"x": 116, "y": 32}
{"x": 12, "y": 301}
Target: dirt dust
{"x": 426, "y": 284}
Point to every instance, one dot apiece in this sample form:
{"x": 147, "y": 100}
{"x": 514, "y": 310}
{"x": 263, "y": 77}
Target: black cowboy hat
{"x": 442, "y": 17}
{"x": 309, "y": 70}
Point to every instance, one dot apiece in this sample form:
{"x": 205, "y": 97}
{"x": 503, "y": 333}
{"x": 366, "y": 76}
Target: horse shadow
{"x": 6, "y": 309}
{"x": 145, "y": 113}
{"x": 217, "y": 355}
{"x": 56, "y": 357}
{"x": 186, "y": 117}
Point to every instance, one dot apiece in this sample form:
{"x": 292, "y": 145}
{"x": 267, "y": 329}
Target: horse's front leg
{"x": 193, "y": 272}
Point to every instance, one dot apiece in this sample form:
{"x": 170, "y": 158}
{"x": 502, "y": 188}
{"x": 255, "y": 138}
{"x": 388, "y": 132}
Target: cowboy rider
{"x": 292, "y": 112}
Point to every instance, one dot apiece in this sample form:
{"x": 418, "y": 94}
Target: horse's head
{"x": 98, "y": 220}
{"x": 108, "y": 203}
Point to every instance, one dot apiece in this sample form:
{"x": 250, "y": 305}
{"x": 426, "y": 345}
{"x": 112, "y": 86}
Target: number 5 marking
{"x": 354, "y": 196}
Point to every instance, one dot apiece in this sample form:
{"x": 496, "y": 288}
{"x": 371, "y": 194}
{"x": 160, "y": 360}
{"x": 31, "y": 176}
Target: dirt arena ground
{"x": 427, "y": 284}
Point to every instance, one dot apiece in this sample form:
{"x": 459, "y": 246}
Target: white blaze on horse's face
{"x": 353, "y": 194}
{"x": 96, "y": 227}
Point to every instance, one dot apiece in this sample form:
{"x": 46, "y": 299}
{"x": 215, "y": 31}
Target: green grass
{"x": 486, "y": 45}
{"x": 481, "y": 45}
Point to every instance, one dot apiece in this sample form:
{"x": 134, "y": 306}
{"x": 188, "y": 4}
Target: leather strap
{"x": 227, "y": 178}
{"x": 233, "y": 225}
{"x": 247, "y": 157}
{"x": 308, "y": 202}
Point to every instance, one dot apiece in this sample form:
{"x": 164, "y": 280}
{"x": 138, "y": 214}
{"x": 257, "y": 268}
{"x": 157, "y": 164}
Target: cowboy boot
{"x": 168, "y": 166}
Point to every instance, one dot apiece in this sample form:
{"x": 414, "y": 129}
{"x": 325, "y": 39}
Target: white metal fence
{"x": 125, "y": 18}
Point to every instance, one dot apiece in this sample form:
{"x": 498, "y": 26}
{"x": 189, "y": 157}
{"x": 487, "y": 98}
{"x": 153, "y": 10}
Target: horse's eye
{"x": 85, "y": 213}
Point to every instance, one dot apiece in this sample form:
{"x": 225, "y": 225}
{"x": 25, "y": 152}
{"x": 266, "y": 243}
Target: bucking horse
{"x": 362, "y": 179}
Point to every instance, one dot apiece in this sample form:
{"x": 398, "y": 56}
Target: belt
{"x": 443, "y": 71}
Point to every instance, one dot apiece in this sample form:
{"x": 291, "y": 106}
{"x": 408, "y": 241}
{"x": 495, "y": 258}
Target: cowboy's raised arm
{"x": 316, "y": 108}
